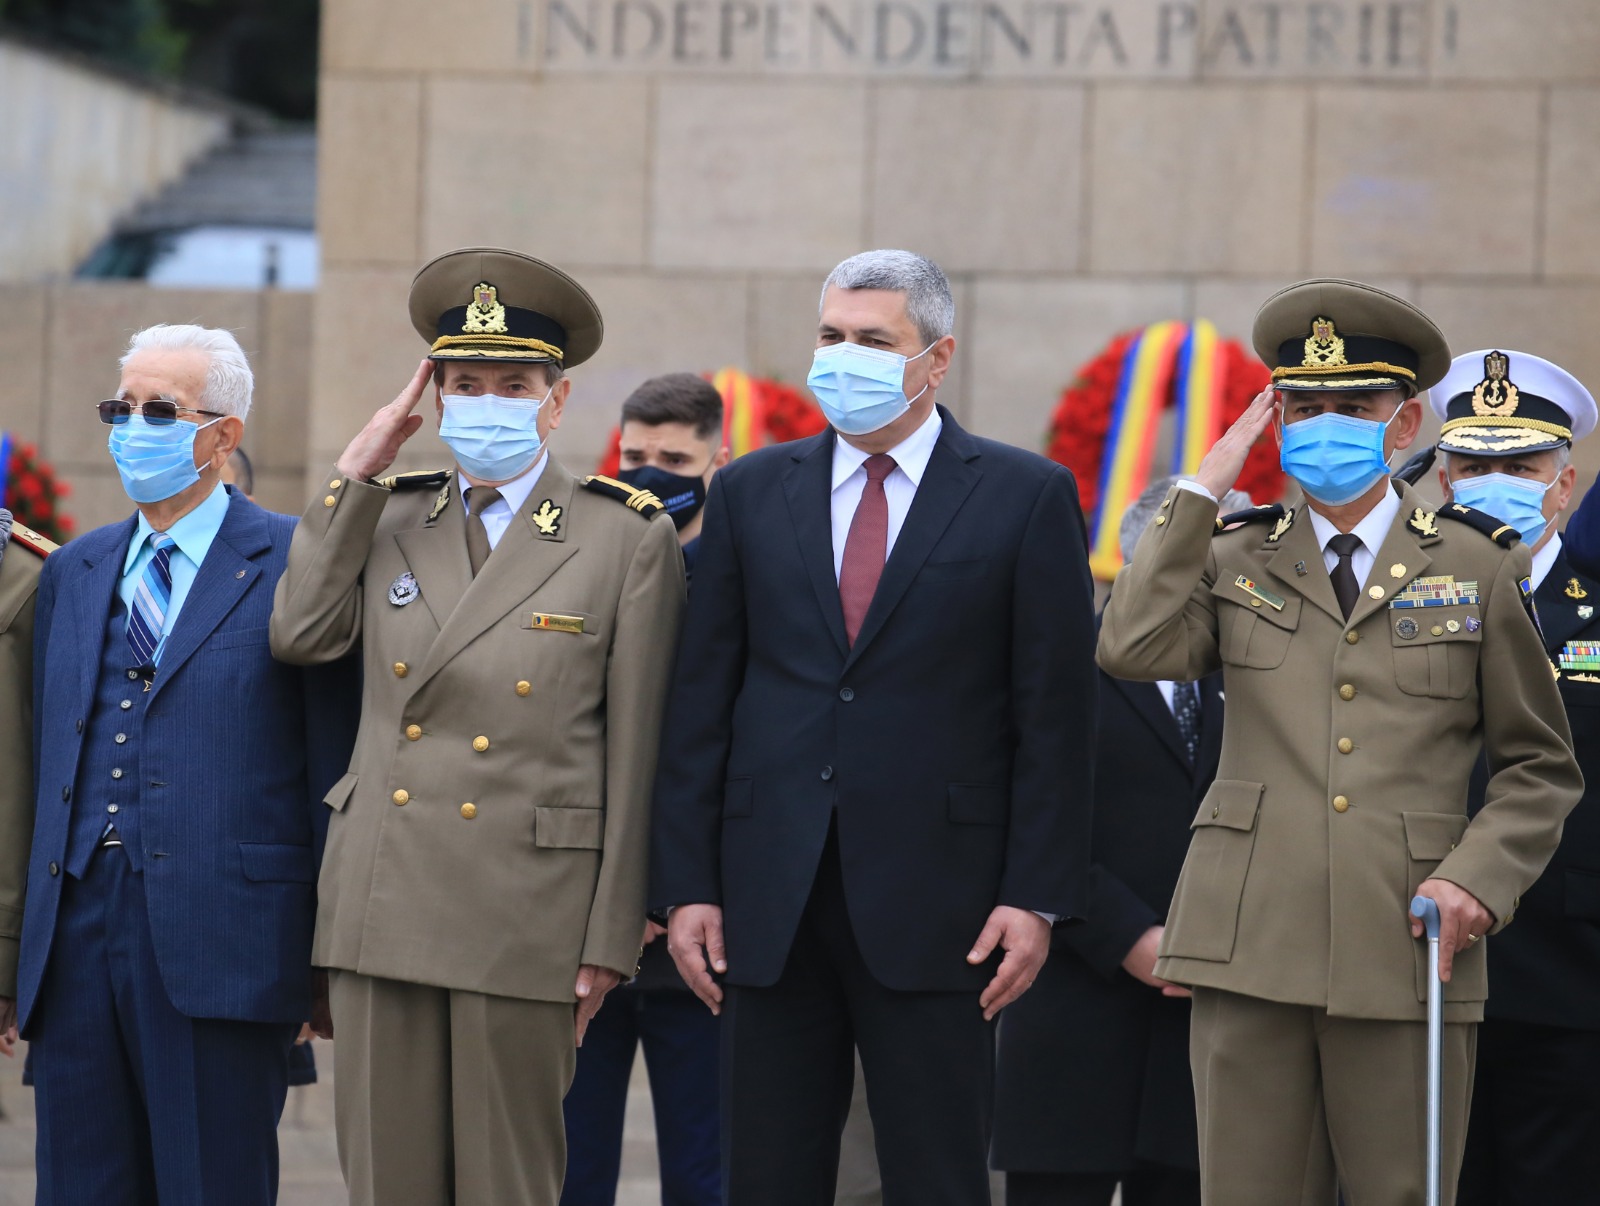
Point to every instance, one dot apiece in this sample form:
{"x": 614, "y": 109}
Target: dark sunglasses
{"x": 157, "y": 412}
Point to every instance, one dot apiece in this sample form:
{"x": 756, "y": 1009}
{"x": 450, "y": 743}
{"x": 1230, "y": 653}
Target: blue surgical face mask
{"x": 861, "y": 389}
{"x": 155, "y": 460}
{"x": 494, "y": 439}
{"x": 1512, "y": 500}
{"x": 1335, "y": 458}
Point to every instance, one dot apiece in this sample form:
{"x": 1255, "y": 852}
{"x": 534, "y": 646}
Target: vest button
{"x": 469, "y": 811}
{"x": 480, "y": 744}
{"x": 1340, "y": 804}
{"x": 401, "y": 797}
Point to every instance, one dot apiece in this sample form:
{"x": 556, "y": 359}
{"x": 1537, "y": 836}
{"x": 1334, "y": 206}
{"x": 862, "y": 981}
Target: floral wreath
{"x": 31, "y": 490}
{"x": 1105, "y": 423}
{"x": 756, "y": 411}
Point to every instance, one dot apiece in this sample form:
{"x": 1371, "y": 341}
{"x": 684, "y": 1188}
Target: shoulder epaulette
{"x": 25, "y": 536}
{"x": 1250, "y": 515}
{"x": 422, "y": 479}
{"x": 1502, "y": 534}
{"x": 642, "y": 501}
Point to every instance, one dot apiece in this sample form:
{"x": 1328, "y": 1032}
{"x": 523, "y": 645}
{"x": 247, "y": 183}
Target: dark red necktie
{"x": 866, "y": 547}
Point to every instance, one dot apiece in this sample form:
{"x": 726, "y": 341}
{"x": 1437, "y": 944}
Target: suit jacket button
{"x": 1346, "y": 745}
{"x": 469, "y": 811}
{"x": 401, "y": 669}
{"x": 847, "y": 694}
{"x": 1340, "y": 804}
{"x": 413, "y": 732}
{"x": 79, "y": 726}
{"x": 1347, "y": 692}
{"x": 54, "y": 869}
{"x": 827, "y": 773}
{"x": 401, "y": 797}
{"x": 66, "y": 795}
{"x": 1352, "y": 637}
{"x": 480, "y": 744}
{"x": 524, "y": 687}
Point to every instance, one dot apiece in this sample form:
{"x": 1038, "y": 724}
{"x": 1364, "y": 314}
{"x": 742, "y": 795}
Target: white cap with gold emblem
{"x": 1496, "y": 402}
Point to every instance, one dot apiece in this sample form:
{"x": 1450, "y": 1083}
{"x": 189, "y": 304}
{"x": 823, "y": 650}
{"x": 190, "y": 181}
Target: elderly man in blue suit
{"x": 165, "y": 961}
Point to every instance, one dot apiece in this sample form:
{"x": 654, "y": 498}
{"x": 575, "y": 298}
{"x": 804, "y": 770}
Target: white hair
{"x": 229, "y": 381}
{"x": 929, "y": 303}
{"x": 1143, "y": 509}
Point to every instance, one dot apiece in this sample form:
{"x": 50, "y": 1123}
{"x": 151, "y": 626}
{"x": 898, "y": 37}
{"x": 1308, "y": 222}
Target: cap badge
{"x": 1324, "y": 349}
{"x": 485, "y": 314}
{"x": 1495, "y": 396}
{"x": 1575, "y": 589}
{"x": 403, "y": 589}
{"x": 547, "y": 518}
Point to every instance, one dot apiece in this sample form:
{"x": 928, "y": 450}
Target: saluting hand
{"x": 1222, "y": 465}
{"x": 378, "y": 443}
{"x": 1025, "y": 938}
{"x": 1462, "y": 920}
{"x": 690, "y": 928}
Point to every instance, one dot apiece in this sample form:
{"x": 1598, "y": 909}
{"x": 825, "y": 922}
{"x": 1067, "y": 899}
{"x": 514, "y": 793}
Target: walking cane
{"x": 1427, "y": 911}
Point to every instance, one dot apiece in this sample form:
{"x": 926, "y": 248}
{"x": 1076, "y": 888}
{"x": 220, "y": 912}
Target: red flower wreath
{"x": 1078, "y": 429}
{"x": 33, "y": 492}
{"x": 780, "y": 413}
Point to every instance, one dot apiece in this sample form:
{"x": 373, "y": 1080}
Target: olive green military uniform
{"x": 1343, "y": 786}
{"x": 491, "y": 835}
{"x": 21, "y": 559}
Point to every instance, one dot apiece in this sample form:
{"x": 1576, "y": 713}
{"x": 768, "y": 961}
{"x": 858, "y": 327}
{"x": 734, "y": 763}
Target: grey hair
{"x": 929, "y": 303}
{"x": 1563, "y": 457}
{"x": 229, "y": 382}
{"x": 1143, "y": 509}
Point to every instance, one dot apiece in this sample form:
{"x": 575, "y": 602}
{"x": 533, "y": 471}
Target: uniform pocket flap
{"x": 277, "y": 862}
{"x": 339, "y": 794}
{"x": 569, "y": 828}
{"x": 1259, "y": 597}
{"x": 1230, "y": 804}
{"x": 1431, "y": 836}
{"x": 979, "y": 804}
{"x": 1582, "y": 889}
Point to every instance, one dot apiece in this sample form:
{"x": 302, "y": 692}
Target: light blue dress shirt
{"x": 192, "y": 536}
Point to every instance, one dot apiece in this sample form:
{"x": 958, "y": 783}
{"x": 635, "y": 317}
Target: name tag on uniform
{"x": 1440, "y": 591}
{"x": 554, "y": 623}
{"x": 1266, "y": 596}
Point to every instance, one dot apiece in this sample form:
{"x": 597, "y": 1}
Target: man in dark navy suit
{"x": 1093, "y": 1087}
{"x": 166, "y": 941}
{"x": 875, "y": 769}
{"x": 1509, "y": 422}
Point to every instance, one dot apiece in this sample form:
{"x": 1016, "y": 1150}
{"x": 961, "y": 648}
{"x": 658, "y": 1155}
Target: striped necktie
{"x": 151, "y": 599}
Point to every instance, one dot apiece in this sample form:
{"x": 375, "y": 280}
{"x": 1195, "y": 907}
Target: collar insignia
{"x": 440, "y": 503}
{"x": 1423, "y": 523}
{"x": 1283, "y": 525}
{"x": 1575, "y": 589}
{"x": 485, "y": 314}
{"x": 1324, "y": 348}
{"x": 547, "y": 518}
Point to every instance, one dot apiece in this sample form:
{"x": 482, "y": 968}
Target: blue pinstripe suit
{"x": 162, "y": 988}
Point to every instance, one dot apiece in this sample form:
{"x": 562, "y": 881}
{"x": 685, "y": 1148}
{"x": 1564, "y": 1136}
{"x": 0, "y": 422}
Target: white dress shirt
{"x": 497, "y": 515}
{"x": 1544, "y": 559}
{"x": 1371, "y": 532}
{"x": 899, "y": 488}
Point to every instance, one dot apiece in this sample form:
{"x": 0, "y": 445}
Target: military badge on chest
{"x": 404, "y": 589}
{"x": 1580, "y": 661}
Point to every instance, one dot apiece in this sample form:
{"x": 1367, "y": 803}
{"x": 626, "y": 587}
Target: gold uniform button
{"x": 400, "y": 669}
{"x": 1340, "y": 804}
{"x": 524, "y": 687}
{"x": 1351, "y": 637}
{"x": 480, "y": 744}
{"x": 1437, "y": 630}
{"x": 1375, "y": 591}
{"x": 1347, "y": 692}
{"x": 336, "y": 483}
{"x": 401, "y": 797}
{"x": 1346, "y": 745}
{"x": 1216, "y": 811}
{"x": 329, "y": 501}
{"x": 469, "y": 811}
{"x": 413, "y": 732}
{"x": 1167, "y": 503}
{"x": 1255, "y": 602}
{"x": 1160, "y": 519}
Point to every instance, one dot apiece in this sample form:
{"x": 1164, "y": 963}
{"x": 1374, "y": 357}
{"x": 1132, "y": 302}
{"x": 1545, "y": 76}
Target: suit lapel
{"x": 92, "y": 602}
{"x": 1558, "y": 611}
{"x": 1146, "y": 699}
{"x": 945, "y": 484}
{"x": 221, "y": 581}
{"x": 521, "y": 562}
{"x": 436, "y": 554}
{"x": 808, "y": 487}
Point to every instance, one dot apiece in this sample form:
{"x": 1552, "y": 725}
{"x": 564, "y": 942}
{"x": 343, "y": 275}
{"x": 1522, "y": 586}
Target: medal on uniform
{"x": 1473, "y": 623}
{"x": 404, "y": 589}
{"x": 1585, "y": 612}
{"x": 1441, "y": 590}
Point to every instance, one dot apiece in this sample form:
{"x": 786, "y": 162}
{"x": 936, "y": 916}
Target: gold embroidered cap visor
{"x": 1495, "y": 403}
{"x": 1332, "y": 334}
{"x": 490, "y": 303}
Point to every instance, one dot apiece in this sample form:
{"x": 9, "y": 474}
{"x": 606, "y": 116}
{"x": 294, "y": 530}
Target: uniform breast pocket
{"x": 1252, "y": 631}
{"x": 1436, "y": 649}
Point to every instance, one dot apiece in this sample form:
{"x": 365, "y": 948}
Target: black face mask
{"x": 683, "y": 496}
